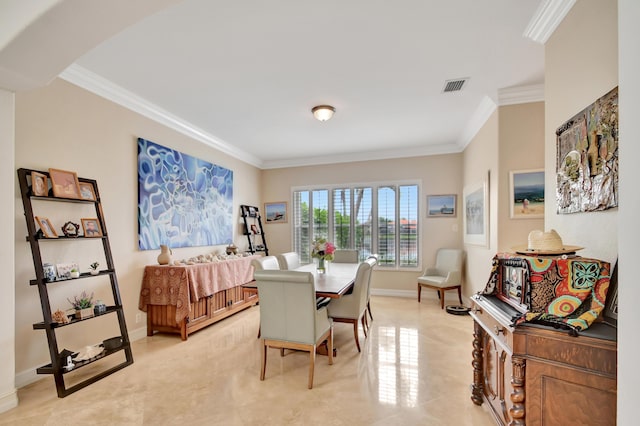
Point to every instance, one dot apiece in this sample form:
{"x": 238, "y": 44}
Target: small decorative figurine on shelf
{"x": 70, "y": 229}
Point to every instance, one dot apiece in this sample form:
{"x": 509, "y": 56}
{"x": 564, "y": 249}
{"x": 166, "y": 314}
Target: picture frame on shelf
{"x": 64, "y": 183}
{"x": 276, "y": 212}
{"x": 476, "y": 214}
{"x": 526, "y": 192}
{"x": 91, "y": 227}
{"x": 442, "y": 205}
{"x": 39, "y": 184}
{"x": 64, "y": 269}
{"x": 254, "y": 229}
{"x": 46, "y": 227}
{"x": 87, "y": 192}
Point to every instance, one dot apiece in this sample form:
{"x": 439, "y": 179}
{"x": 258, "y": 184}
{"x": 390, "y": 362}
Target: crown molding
{"x": 546, "y": 19}
{"x": 521, "y": 95}
{"x": 363, "y": 156}
{"x": 102, "y": 87}
{"x": 480, "y": 116}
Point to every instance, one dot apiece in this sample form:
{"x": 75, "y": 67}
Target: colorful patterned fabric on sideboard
{"x": 568, "y": 292}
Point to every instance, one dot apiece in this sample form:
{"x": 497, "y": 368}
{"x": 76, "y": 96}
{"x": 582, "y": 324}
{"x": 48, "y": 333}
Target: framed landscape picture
{"x": 276, "y": 212}
{"x": 476, "y": 214}
{"x": 526, "y": 194}
{"x": 441, "y": 205}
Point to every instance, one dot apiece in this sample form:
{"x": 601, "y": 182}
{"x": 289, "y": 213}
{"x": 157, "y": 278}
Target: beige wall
{"x": 439, "y": 174}
{"x": 628, "y": 224}
{"x": 481, "y": 165}
{"x": 521, "y": 145}
{"x": 65, "y": 127}
{"x": 581, "y": 64}
{"x": 8, "y": 395}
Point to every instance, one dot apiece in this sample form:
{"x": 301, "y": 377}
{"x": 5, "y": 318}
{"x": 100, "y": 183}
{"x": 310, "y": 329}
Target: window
{"x": 347, "y": 216}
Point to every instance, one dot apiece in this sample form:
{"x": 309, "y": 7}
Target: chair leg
{"x": 369, "y": 309}
{"x": 330, "y": 345}
{"x": 363, "y": 320}
{"x": 281, "y": 351}
{"x": 419, "y": 292}
{"x": 441, "y": 296}
{"x": 263, "y": 359}
{"x": 355, "y": 334}
{"x": 460, "y": 294}
{"x": 312, "y": 363}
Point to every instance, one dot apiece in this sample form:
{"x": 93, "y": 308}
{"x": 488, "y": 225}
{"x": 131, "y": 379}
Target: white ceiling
{"x": 244, "y": 75}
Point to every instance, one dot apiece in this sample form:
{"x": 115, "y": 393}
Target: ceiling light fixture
{"x": 323, "y": 112}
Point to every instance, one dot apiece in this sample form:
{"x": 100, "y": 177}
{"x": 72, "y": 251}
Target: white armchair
{"x": 351, "y": 308}
{"x": 445, "y": 275}
{"x": 289, "y": 318}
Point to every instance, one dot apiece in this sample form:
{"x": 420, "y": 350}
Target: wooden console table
{"x": 183, "y": 299}
{"x": 538, "y": 375}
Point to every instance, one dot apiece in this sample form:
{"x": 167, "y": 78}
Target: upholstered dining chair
{"x": 345, "y": 256}
{"x": 289, "y": 261}
{"x": 445, "y": 275}
{"x": 289, "y": 316}
{"x": 350, "y": 308}
{"x": 265, "y": 262}
{"x": 371, "y": 256}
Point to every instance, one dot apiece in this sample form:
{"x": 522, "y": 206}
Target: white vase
{"x": 75, "y": 274}
{"x": 164, "y": 258}
{"x": 94, "y": 272}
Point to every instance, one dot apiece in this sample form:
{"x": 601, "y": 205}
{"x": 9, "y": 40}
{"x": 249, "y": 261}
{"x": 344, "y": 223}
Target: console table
{"x": 185, "y": 298}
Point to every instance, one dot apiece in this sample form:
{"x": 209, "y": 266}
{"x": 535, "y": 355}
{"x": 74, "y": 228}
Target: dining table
{"x": 337, "y": 279}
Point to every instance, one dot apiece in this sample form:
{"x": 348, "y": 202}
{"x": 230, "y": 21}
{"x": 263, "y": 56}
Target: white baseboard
{"x": 9, "y": 401}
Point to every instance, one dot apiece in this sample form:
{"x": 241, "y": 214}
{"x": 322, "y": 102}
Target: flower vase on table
{"x": 322, "y": 268}
{"x": 323, "y": 251}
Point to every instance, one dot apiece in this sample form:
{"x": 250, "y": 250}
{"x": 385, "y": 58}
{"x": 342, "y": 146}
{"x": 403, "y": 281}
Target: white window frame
{"x": 374, "y": 185}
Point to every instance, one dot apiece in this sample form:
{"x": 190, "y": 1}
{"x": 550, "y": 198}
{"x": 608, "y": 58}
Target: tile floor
{"x": 415, "y": 368}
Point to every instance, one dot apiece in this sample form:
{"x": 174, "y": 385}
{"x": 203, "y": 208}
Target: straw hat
{"x": 545, "y": 243}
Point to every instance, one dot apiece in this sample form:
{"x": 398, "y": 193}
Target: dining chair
{"x": 445, "y": 275}
{"x": 371, "y": 256}
{"x": 289, "y": 317}
{"x": 289, "y": 261}
{"x": 350, "y": 308}
{"x": 265, "y": 262}
{"x": 345, "y": 256}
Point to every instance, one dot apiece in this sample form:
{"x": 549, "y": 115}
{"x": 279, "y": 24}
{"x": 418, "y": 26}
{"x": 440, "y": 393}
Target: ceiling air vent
{"x": 454, "y": 85}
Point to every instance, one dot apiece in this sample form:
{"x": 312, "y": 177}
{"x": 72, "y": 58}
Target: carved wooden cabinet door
{"x": 497, "y": 378}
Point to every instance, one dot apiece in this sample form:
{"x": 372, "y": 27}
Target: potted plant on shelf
{"x": 94, "y": 268}
{"x": 75, "y": 273}
{"x": 83, "y": 305}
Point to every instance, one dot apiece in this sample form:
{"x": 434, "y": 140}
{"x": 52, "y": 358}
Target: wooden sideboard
{"x": 537, "y": 375}
{"x": 187, "y": 298}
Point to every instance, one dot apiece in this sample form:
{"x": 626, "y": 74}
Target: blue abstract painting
{"x": 182, "y": 201}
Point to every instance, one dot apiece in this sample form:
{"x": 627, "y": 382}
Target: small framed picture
{"x": 254, "y": 229}
{"x": 276, "y": 212}
{"x": 64, "y": 183}
{"x": 39, "y": 184}
{"x": 441, "y": 205}
{"x": 527, "y": 194}
{"x": 64, "y": 269}
{"x": 86, "y": 191}
{"x": 47, "y": 227}
{"x": 91, "y": 227}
